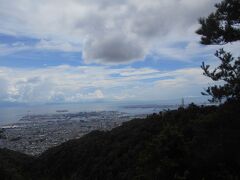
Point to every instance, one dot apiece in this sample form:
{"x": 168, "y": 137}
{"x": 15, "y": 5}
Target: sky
{"x": 64, "y": 51}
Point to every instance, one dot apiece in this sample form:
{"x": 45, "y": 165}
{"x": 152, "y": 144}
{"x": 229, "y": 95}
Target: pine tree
{"x": 221, "y": 27}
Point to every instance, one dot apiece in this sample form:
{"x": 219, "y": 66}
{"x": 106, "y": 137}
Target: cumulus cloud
{"x": 77, "y": 84}
{"x": 105, "y": 31}
{"x": 113, "y": 50}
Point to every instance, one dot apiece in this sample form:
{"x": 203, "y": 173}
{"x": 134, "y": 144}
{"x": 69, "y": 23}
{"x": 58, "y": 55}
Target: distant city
{"x": 33, "y": 134}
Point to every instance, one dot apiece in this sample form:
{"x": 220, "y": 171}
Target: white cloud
{"x": 76, "y": 84}
{"x": 105, "y": 31}
{"x": 44, "y": 44}
{"x": 6, "y": 49}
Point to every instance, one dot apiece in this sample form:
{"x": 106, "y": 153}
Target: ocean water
{"x": 10, "y": 115}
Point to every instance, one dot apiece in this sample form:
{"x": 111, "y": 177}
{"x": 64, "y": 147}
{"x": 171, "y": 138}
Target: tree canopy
{"x": 221, "y": 27}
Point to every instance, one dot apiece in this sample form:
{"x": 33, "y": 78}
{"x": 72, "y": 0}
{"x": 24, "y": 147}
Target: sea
{"x": 13, "y": 114}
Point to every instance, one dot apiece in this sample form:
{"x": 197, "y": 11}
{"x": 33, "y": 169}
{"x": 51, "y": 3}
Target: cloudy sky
{"x": 121, "y": 50}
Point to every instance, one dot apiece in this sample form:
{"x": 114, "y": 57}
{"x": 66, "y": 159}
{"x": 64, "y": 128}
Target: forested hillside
{"x": 192, "y": 143}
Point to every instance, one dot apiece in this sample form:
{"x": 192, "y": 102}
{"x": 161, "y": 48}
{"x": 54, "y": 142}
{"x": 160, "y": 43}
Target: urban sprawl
{"x": 33, "y": 134}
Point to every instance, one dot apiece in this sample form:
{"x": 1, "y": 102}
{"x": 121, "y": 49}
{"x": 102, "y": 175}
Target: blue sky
{"x": 78, "y": 51}
{"x": 36, "y": 58}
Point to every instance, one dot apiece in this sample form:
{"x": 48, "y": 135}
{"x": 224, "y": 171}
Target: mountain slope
{"x": 13, "y": 165}
{"x": 192, "y": 143}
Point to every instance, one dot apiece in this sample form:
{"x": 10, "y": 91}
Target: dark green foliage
{"x": 203, "y": 144}
{"x": 99, "y": 155}
{"x": 193, "y": 143}
{"x": 223, "y": 25}
{"x": 229, "y": 73}
{"x": 13, "y": 165}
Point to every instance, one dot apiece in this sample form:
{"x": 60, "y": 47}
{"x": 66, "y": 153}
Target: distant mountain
{"x": 192, "y": 143}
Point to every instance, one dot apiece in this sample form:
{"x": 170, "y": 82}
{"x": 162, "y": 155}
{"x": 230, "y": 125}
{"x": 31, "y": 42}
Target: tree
{"x": 221, "y": 27}
{"x": 229, "y": 72}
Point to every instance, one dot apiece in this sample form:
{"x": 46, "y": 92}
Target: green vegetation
{"x": 200, "y": 143}
{"x": 13, "y": 165}
{"x": 192, "y": 143}
{"x": 221, "y": 27}
{"x": 229, "y": 73}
